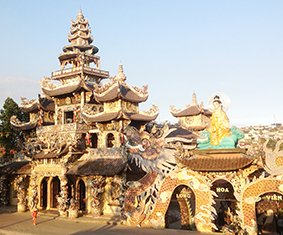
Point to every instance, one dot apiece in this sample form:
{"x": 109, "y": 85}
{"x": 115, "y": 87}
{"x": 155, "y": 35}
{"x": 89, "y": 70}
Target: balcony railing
{"x": 111, "y": 153}
{"x": 77, "y": 70}
{"x": 68, "y": 127}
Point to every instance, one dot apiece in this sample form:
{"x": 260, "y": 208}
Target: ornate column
{"x": 3, "y": 191}
{"x": 74, "y": 205}
{"x": 63, "y": 197}
{"x": 97, "y": 188}
{"x": 33, "y": 193}
{"x": 20, "y": 182}
{"x": 113, "y": 192}
{"x": 49, "y": 181}
{"x": 82, "y": 99}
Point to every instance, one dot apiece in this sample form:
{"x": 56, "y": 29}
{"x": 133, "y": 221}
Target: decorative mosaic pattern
{"x": 251, "y": 195}
{"x": 202, "y": 194}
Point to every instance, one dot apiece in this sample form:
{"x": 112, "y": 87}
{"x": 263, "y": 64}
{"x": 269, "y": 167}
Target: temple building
{"x": 74, "y": 134}
{"x": 88, "y": 149}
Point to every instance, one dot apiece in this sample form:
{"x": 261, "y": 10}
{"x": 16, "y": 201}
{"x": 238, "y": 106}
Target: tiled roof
{"x": 181, "y": 135}
{"x": 46, "y": 104}
{"x": 17, "y": 124}
{"x": 99, "y": 117}
{"x": 217, "y": 160}
{"x": 104, "y": 166}
{"x": 142, "y": 117}
{"x": 110, "y": 92}
{"x": 22, "y": 167}
{"x": 180, "y": 132}
{"x": 105, "y": 116}
{"x": 61, "y": 89}
{"x": 191, "y": 110}
{"x": 31, "y": 106}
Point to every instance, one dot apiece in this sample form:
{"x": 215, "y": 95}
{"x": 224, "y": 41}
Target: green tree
{"x": 9, "y": 137}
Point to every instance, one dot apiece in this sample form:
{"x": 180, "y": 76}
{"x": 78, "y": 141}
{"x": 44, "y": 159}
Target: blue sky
{"x": 176, "y": 47}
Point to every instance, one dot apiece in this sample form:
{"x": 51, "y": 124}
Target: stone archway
{"x": 181, "y": 209}
{"x": 203, "y": 199}
{"x": 251, "y": 195}
{"x": 269, "y": 207}
{"x": 81, "y": 194}
{"x": 225, "y": 202}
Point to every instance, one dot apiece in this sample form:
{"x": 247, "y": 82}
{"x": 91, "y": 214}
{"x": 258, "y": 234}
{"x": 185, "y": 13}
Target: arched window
{"x": 94, "y": 140}
{"x": 110, "y": 140}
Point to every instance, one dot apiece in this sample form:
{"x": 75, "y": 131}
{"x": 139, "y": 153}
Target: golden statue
{"x": 219, "y": 125}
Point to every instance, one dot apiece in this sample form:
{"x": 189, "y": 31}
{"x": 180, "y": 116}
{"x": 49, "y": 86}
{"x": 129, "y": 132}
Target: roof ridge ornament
{"x": 120, "y": 76}
{"x": 194, "y": 99}
{"x": 80, "y": 15}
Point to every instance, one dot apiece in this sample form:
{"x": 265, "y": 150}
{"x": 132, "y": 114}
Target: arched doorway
{"x": 268, "y": 211}
{"x": 82, "y": 195}
{"x": 54, "y": 189}
{"x": 255, "y": 190}
{"x": 225, "y": 202}
{"x": 43, "y": 193}
{"x": 181, "y": 209}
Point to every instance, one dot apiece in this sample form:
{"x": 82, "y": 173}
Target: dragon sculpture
{"x": 153, "y": 150}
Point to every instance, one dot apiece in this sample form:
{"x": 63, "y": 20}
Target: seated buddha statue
{"x": 219, "y": 123}
{"x": 219, "y": 134}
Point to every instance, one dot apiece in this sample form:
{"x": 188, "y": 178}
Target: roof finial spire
{"x": 121, "y": 76}
{"x": 194, "y": 99}
{"x": 120, "y": 68}
{"x": 80, "y": 15}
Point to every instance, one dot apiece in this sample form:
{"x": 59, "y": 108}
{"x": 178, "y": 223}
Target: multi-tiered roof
{"x": 77, "y": 102}
{"x": 36, "y": 109}
{"x": 80, "y": 66}
{"x": 80, "y": 71}
{"x": 193, "y": 116}
{"x": 121, "y": 102}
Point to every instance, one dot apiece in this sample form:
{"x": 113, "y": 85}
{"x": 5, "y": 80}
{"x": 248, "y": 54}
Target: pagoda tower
{"x": 80, "y": 66}
{"x": 78, "y": 123}
{"x": 80, "y": 54}
{"x": 74, "y": 96}
{"x": 192, "y": 117}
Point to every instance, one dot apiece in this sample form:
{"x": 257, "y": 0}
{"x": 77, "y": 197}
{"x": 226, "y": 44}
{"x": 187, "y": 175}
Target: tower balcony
{"x": 72, "y": 128}
{"x": 70, "y": 72}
